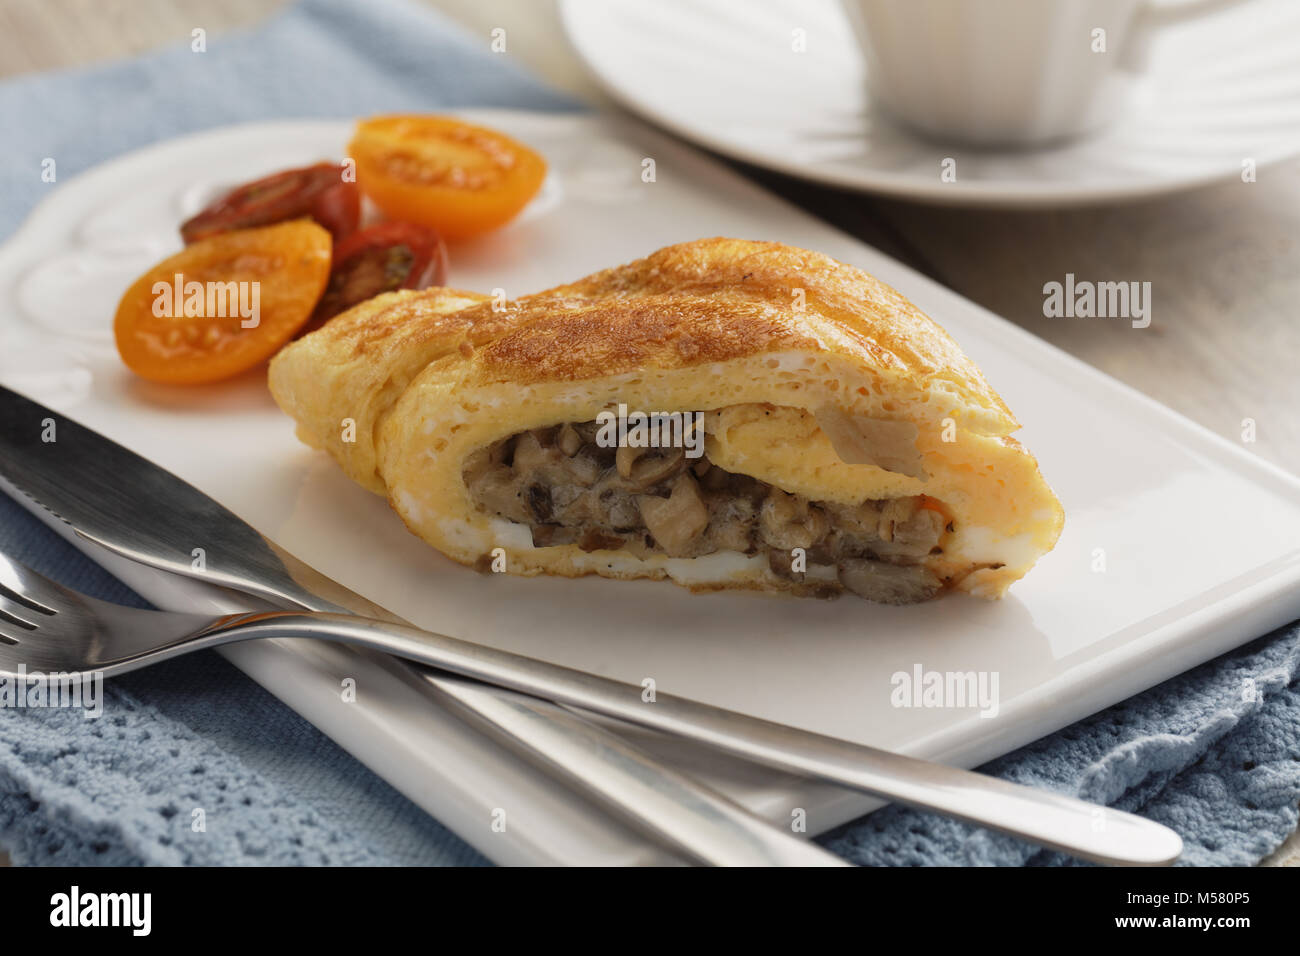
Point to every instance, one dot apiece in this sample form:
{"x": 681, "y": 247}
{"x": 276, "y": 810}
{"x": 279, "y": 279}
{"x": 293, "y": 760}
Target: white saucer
{"x": 1220, "y": 90}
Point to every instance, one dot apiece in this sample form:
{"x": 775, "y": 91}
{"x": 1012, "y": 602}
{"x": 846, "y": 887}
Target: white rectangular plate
{"x": 1200, "y": 541}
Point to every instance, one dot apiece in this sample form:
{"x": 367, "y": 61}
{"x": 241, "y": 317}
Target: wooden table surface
{"x": 1223, "y": 262}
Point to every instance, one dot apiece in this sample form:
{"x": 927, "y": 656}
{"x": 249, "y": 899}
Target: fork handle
{"x": 1056, "y": 821}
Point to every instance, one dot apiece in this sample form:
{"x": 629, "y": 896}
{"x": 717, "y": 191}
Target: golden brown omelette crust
{"x": 610, "y": 337}
{"x": 713, "y": 300}
{"x": 399, "y": 322}
{"x": 695, "y": 303}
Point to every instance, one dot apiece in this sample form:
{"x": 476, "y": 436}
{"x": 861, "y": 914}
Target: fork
{"x": 47, "y": 628}
{"x": 56, "y": 631}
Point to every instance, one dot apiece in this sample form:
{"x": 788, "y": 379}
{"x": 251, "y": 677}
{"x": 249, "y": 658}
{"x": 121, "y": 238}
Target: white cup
{"x": 1008, "y": 72}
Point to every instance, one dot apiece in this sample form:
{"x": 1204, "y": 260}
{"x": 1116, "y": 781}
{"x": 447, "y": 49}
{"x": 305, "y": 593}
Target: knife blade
{"x": 113, "y": 497}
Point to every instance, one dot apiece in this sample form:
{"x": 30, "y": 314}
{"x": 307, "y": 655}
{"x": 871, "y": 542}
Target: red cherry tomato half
{"x": 383, "y": 258}
{"x": 318, "y": 192}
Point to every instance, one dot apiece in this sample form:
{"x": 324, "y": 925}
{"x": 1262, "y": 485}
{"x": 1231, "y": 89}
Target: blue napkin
{"x": 1220, "y": 766}
{"x": 319, "y": 59}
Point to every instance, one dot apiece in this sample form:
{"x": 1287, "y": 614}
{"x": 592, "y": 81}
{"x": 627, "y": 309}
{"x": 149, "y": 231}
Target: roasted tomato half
{"x": 223, "y": 304}
{"x": 317, "y": 192}
{"x": 442, "y": 172}
{"x": 383, "y": 258}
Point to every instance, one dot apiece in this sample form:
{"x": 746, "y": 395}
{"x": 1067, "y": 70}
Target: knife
{"x": 113, "y": 497}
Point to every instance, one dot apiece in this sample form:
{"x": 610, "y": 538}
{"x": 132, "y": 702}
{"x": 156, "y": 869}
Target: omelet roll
{"x": 722, "y": 413}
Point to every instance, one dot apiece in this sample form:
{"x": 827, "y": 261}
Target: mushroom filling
{"x": 646, "y": 501}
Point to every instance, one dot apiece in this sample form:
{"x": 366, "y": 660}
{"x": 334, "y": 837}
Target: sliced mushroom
{"x": 529, "y": 454}
{"x": 497, "y": 492}
{"x": 913, "y": 535}
{"x": 502, "y": 452}
{"x": 747, "y": 488}
{"x": 620, "y": 510}
{"x": 545, "y": 436}
{"x": 583, "y": 467}
{"x": 587, "y": 431}
{"x": 715, "y": 479}
{"x": 582, "y": 510}
{"x": 644, "y": 468}
{"x": 822, "y": 553}
{"x": 731, "y": 523}
{"x": 782, "y": 565}
{"x": 569, "y": 441}
{"x": 564, "y": 496}
{"x": 625, "y": 458}
{"x": 677, "y": 520}
{"x": 787, "y": 521}
{"x": 888, "y": 583}
{"x": 861, "y": 519}
{"x": 860, "y": 440}
{"x": 538, "y": 500}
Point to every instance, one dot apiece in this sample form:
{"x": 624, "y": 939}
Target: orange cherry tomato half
{"x": 224, "y": 304}
{"x": 318, "y": 192}
{"x": 441, "y": 172}
{"x": 383, "y": 258}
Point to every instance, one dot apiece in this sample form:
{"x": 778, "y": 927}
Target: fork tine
{"x": 13, "y": 627}
{"x": 27, "y": 601}
{"x": 31, "y": 591}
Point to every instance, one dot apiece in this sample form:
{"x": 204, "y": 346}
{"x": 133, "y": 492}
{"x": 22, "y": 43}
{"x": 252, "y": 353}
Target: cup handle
{"x": 1154, "y": 14}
